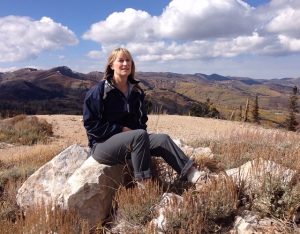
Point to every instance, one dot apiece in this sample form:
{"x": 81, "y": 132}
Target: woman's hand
{"x": 125, "y": 129}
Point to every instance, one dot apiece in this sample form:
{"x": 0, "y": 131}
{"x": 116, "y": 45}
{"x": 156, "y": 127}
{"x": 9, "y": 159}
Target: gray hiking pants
{"x": 139, "y": 146}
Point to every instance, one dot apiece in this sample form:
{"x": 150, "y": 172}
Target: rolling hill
{"x": 61, "y": 90}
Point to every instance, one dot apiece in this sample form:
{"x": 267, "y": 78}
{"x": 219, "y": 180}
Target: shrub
{"x": 12, "y": 174}
{"x": 134, "y": 205}
{"x": 209, "y": 210}
{"x": 186, "y": 217}
{"x": 204, "y": 110}
{"x": 46, "y": 220}
{"x": 218, "y": 201}
{"x": 16, "y": 173}
{"x": 26, "y": 130}
{"x": 8, "y": 204}
{"x": 168, "y": 178}
{"x": 276, "y": 198}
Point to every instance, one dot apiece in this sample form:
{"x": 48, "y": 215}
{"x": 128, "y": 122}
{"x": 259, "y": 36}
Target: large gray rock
{"x": 253, "y": 224}
{"x": 72, "y": 180}
{"x": 253, "y": 173}
{"x": 45, "y": 185}
{"x": 192, "y": 152}
{"x": 170, "y": 202}
{"x": 90, "y": 190}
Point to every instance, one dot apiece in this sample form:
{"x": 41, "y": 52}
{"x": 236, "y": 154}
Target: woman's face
{"x": 121, "y": 66}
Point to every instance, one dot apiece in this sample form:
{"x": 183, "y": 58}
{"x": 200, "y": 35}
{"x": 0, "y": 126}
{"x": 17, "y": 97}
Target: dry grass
{"x": 233, "y": 143}
{"x": 46, "y": 220}
{"x": 186, "y": 217}
{"x": 25, "y": 130}
{"x": 135, "y": 205}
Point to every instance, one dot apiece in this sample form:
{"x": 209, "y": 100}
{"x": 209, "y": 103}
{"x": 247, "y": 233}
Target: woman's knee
{"x": 163, "y": 138}
{"x": 140, "y": 132}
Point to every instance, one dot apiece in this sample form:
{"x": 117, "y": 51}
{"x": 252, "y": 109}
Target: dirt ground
{"x": 69, "y": 129}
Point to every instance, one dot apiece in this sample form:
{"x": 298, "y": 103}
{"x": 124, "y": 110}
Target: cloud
{"x": 199, "y": 19}
{"x": 189, "y": 19}
{"x": 95, "y": 54}
{"x": 238, "y": 45}
{"x": 286, "y": 21}
{"x": 8, "y": 69}
{"x": 122, "y": 26}
{"x": 292, "y": 44}
{"x": 201, "y": 29}
{"x": 23, "y": 38}
{"x": 196, "y": 49}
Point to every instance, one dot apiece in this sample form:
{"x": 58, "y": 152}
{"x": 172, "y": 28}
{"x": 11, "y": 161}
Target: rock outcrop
{"x": 47, "y": 183}
{"x": 252, "y": 223}
{"x": 72, "y": 180}
{"x": 168, "y": 203}
{"x": 253, "y": 173}
{"x": 194, "y": 152}
{"x": 90, "y": 190}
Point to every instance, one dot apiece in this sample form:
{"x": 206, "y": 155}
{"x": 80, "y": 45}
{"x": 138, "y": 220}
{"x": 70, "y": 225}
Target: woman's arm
{"x": 143, "y": 112}
{"x": 94, "y": 123}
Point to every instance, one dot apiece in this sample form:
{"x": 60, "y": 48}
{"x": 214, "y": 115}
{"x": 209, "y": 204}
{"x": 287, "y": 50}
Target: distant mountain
{"x": 61, "y": 90}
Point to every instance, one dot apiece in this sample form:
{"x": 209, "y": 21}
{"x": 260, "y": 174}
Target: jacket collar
{"x": 108, "y": 86}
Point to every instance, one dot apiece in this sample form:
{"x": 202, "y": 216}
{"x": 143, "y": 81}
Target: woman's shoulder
{"x": 137, "y": 88}
{"x": 96, "y": 90}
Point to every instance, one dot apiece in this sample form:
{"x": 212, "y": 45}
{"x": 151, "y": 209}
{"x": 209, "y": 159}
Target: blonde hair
{"x": 108, "y": 73}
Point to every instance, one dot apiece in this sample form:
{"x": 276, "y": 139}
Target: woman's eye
{"x": 122, "y": 60}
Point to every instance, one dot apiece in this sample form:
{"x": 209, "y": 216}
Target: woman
{"x": 115, "y": 120}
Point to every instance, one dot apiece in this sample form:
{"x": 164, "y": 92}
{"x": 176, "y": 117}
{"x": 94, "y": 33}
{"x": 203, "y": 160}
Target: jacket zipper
{"x": 125, "y": 98}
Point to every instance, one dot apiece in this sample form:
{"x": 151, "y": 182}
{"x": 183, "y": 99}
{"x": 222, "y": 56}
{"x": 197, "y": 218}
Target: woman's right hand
{"x": 125, "y": 129}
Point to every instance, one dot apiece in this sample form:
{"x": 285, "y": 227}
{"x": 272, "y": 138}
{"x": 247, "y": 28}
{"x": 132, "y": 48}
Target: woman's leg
{"x": 118, "y": 148}
{"x": 163, "y": 146}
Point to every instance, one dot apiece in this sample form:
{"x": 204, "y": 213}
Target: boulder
{"x": 45, "y": 185}
{"x": 194, "y": 152}
{"x": 169, "y": 202}
{"x": 90, "y": 190}
{"x": 72, "y": 180}
{"x": 253, "y": 173}
{"x": 203, "y": 152}
{"x": 252, "y": 224}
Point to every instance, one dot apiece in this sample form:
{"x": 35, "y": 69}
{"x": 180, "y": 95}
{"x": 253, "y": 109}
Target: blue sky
{"x": 250, "y": 38}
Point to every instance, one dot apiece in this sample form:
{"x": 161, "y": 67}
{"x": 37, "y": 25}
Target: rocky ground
{"x": 232, "y": 143}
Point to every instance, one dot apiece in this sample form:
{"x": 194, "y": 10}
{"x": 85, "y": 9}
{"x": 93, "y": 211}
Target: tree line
{"x": 250, "y": 113}
{"x": 290, "y": 122}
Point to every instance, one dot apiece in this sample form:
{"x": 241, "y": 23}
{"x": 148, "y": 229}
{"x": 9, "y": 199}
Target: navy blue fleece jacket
{"x": 106, "y": 110}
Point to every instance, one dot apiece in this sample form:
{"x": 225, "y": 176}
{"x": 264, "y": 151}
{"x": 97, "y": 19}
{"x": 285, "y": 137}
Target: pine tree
{"x": 246, "y": 111}
{"x": 291, "y": 121}
{"x": 241, "y": 113}
{"x": 232, "y": 116}
{"x": 255, "y": 111}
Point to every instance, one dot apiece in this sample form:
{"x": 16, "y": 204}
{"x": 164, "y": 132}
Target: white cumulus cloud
{"x": 286, "y": 21}
{"x": 95, "y": 54}
{"x": 198, "y": 19}
{"x": 8, "y": 69}
{"x": 122, "y": 26}
{"x": 200, "y": 29}
{"x": 23, "y": 38}
{"x": 292, "y": 44}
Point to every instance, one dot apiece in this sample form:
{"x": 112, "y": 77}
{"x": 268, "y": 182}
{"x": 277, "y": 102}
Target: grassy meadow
{"x": 232, "y": 143}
